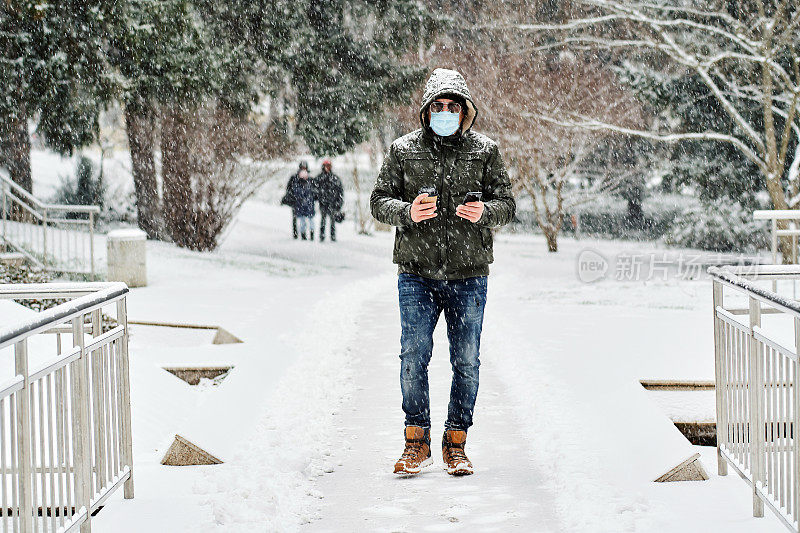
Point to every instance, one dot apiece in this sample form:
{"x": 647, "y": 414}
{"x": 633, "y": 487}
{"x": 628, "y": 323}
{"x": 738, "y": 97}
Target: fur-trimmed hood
{"x": 444, "y": 81}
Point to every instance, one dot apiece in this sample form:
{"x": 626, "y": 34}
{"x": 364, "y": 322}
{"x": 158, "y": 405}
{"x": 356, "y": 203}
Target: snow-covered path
{"x": 364, "y": 495}
{"x": 309, "y": 422}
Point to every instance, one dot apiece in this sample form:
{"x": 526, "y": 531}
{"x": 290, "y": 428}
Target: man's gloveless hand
{"x": 472, "y": 211}
{"x": 422, "y": 211}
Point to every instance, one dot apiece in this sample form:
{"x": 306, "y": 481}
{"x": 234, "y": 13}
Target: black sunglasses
{"x": 453, "y": 107}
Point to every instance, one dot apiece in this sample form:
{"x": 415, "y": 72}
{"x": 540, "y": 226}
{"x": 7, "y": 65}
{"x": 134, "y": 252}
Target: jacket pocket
{"x": 468, "y": 246}
{"x": 418, "y": 172}
{"x": 416, "y": 246}
{"x": 402, "y": 252}
{"x": 468, "y": 173}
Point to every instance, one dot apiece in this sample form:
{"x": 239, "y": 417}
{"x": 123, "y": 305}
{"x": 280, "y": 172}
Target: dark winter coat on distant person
{"x": 447, "y": 246}
{"x": 330, "y": 193}
{"x": 287, "y": 197}
{"x": 303, "y": 195}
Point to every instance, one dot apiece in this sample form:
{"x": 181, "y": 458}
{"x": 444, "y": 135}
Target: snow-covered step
{"x": 691, "y": 405}
{"x": 676, "y": 384}
{"x": 14, "y": 259}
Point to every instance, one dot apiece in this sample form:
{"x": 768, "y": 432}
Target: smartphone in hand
{"x": 473, "y": 197}
{"x": 431, "y": 192}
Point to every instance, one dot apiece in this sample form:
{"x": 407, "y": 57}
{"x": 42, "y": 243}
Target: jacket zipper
{"x": 442, "y": 162}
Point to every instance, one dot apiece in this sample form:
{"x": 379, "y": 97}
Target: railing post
{"x": 774, "y": 241}
{"x": 81, "y": 432}
{"x": 722, "y": 426}
{"x": 96, "y": 382}
{"x": 91, "y": 243}
{"x": 125, "y": 408}
{"x": 5, "y": 209}
{"x": 44, "y": 235}
{"x": 774, "y": 250}
{"x": 24, "y": 438}
{"x": 796, "y": 420}
{"x": 755, "y": 383}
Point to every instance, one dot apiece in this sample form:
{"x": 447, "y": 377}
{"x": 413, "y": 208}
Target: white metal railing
{"x": 65, "y": 417}
{"x": 56, "y": 237}
{"x": 792, "y": 219}
{"x": 756, "y": 342}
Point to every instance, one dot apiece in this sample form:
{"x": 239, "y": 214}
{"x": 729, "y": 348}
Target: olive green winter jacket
{"x": 447, "y": 246}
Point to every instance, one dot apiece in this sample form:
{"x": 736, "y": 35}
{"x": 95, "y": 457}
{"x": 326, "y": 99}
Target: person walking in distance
{"x": 444, "y": 187}
{"x": 330, "y": 195}
{"x": 289, "y": 200}
{"x": 304, "y": 196}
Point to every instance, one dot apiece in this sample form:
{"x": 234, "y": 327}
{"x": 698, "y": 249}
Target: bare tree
{"x": 556, "y": 189}
{"x": 549, "y": 161}
{"x": 745, "y": 53}
{"x": 363, "y": 218}
{"x": 208, "y": 172}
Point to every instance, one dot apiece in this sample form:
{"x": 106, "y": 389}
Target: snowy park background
{"x": 308, "y": 422}
{"x": 639, "y": 136}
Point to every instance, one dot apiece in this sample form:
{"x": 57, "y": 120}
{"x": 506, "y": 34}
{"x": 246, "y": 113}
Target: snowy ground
{"x": 309, "y": 424}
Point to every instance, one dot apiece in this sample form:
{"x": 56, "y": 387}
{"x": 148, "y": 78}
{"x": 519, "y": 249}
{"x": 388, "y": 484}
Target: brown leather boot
{"x": 417, "y": 454}
{"x": 455, "y": 460}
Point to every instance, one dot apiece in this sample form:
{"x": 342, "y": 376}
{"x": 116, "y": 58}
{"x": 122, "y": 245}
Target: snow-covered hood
{"x": 444, "y": 81}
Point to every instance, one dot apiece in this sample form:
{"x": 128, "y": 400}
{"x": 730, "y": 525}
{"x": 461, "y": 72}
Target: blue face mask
{"x": 444, "y": 123}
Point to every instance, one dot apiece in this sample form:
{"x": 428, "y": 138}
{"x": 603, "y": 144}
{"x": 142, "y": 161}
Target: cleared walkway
{"x": 362, "y": 494}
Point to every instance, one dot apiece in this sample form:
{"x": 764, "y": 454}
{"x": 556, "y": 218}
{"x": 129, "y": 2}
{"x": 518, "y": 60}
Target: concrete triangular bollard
{"x": 689, "y": 470}
{"x": 224, "y": 336}
{"x": 183, "y": 453}
{"x": 193, "y": 375}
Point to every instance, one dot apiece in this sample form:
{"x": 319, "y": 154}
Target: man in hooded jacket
{"x": 443, "y": 247}
{"x": 330, "y": 195}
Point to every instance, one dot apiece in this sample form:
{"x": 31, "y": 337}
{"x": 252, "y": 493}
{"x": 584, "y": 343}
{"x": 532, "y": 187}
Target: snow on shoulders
{"x": 409, "y": 141}
{"x": 479, "y": 141}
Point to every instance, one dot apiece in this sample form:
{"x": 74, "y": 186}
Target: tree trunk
{"x": 139, "y": 123}
{"x": 552, "y": 240}
{"x": 17, "y": 148}
{"x": 176, "y": 174}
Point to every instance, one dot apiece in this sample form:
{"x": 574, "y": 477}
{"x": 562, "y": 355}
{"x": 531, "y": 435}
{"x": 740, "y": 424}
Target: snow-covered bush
{"x": 617, "y": 224}
{"x": 608, "y": 217}
{"x": 23, "y": 274}
{"x": 28, "y": 274}
{"x": 86, "y": 188}
{"x": 718, "y": 226}
{"x": 119, "y": 206}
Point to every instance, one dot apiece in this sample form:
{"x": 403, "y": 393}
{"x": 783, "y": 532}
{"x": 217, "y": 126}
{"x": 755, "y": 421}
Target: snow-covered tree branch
{"x": 746, "y": 58}
{"x": 594, "y": 124}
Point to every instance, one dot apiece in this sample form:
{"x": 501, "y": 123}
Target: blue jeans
{"x": 422, "y": 300}
{"x": 304, "y": 223}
